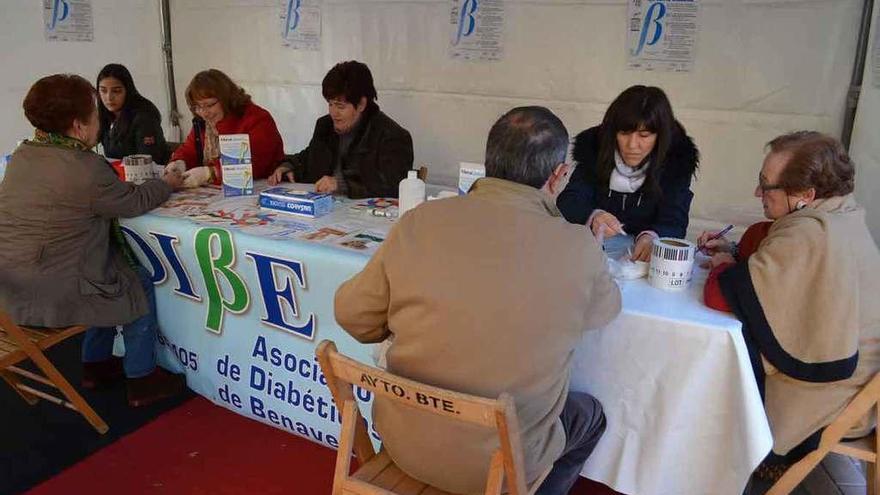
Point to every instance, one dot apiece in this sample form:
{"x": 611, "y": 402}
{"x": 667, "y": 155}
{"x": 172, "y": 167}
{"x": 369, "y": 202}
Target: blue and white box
{"x": 4, "y": 159}
{"x": 301, "y": 203}
{"x": 235, "y": 158}
{"x": 468, "y": 173}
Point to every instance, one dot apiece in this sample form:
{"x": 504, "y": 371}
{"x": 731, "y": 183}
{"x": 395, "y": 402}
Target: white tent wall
{"x": 126, "y": 31}
{"x": 865, "y": 146}
{"x": 762, "y": 68}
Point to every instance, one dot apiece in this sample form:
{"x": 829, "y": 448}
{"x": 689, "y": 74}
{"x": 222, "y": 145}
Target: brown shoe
{"x": 102, "y": 373}
{"x": 154, "y": 387}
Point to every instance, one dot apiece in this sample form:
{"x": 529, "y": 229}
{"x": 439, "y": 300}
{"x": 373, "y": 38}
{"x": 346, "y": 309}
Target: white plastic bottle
{"x": 411, "y": 192}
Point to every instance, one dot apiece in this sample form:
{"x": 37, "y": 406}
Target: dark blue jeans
{"x": 140, "y": 338}
{"x": 584, "y": 422}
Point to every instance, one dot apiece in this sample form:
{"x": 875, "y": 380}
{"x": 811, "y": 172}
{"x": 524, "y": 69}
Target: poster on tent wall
{"x": 301, "y": 24}
{"x": 68, "y": 20}
{"x": 477, "y": 28}
{"x": 662, "y": 34}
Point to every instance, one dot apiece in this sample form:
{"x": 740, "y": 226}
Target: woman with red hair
{"x": 223, "y": 107}
{"x": 63, "y": 258}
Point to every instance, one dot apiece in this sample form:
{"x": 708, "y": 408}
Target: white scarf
{"x": 626, "y": 179}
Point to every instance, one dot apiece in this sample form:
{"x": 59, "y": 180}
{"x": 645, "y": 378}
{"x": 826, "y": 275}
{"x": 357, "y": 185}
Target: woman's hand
{"x": 613, "y": 226}
{"x": 326, "y": 184}
{"x": 173, "y": 179}
{"x": 642, "y": 248}
{"x": 177, "y": 167}
{"x": 281, "y": 172}
{"x": 197, "y": 176}
{"x": 712, "y": 246}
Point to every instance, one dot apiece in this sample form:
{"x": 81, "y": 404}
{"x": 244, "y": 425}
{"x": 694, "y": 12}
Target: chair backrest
{"x": 341, "y": 372}
{"x": 860, "y": 405}
{"x": 865, "y": 449}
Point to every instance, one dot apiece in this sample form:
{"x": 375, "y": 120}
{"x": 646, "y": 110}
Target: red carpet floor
{"x": 200, "y": 448}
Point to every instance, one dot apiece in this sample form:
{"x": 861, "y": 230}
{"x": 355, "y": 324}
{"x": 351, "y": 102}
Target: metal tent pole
{"x": 855, "y": 85}
{"x": 173, "y": 112}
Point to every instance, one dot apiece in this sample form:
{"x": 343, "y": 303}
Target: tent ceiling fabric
{"x": 762, "y": 68}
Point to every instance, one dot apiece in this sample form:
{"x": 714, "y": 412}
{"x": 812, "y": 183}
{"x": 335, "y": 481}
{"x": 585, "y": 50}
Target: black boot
{"x": 102, "y": 373}
{"x": 154, "y": 387}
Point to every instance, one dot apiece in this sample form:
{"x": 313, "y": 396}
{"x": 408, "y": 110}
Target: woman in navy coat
{"x": 633, "y": 172}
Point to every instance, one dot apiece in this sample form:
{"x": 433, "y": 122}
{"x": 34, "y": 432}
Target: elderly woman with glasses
{"x": 804, "y": 286}
{"x": 222, "y": 107}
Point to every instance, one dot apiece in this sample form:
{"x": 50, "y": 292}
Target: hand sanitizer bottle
{"x": 411, "y": 192}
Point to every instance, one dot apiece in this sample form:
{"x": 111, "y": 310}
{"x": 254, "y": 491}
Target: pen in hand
{"x": 722, "y": 233}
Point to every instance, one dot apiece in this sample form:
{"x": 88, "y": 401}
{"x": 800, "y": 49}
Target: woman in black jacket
{"x": 130, "y": 123}
{"x": 356, "y": 149}
{"x": 633, "y": 172}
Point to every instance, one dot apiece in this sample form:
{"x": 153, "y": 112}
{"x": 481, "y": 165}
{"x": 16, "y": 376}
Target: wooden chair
{"x": 864, "y": 449}
{"x": 378, "y": 475}
{"x": 18, "y": 344}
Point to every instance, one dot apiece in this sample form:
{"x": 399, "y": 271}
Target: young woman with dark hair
{"x": 130, "y": 123}
{"x": 220, "y": 107}
{"x": 356, "y": 149}
{"x": 633, "y": 172}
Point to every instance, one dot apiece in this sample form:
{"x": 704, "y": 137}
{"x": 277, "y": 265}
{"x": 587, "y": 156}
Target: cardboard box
{"x": 235, "y": 158}
{"x": 468, "y": 173}
{"x": 301, "y": 203}
{"x": 140, "y": 168}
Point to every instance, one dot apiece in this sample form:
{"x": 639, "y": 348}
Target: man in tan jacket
{"x": 489, "y": 293}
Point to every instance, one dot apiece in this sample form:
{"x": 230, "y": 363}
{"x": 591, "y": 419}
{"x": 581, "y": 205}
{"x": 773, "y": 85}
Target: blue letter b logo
{"x": 292, "y": 16}
{"x": 656, "y": 12}
{"x": 466, "y": 21}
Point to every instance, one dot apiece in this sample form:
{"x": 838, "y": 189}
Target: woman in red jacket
{"x": 222, "y": 107}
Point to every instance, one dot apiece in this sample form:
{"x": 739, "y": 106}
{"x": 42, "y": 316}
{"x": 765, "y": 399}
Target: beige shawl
{"x": 806, "y": 301}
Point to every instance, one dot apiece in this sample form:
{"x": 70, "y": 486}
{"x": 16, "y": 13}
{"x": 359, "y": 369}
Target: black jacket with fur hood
{"x": 666, "y": 213}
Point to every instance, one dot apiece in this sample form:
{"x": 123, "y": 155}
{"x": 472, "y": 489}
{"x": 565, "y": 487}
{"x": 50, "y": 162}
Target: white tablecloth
{"x": 683, "y": 410}
{"x": 684, "y": 414}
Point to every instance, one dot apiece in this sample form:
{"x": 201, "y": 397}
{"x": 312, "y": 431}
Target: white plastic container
{"x": 411, "y": 192}
{"x": 672, "y": 263}
{"x": 139, "y": 168}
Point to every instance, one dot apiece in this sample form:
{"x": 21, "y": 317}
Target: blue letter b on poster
{"x": 466, "y": 21}
{"x": 293, "y": 7}
{"x": 60, "y": 11}
{"x": 656, "y": 12}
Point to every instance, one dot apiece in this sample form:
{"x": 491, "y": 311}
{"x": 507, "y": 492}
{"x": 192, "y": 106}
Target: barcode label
{"x": 671, "y": 254}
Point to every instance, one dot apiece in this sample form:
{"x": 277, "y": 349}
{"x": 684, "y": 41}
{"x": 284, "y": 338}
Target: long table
{"x": 244, "y": 296}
